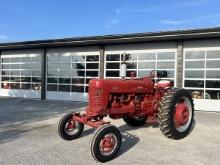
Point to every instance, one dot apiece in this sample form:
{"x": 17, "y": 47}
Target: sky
{"x": 24, "y": 20}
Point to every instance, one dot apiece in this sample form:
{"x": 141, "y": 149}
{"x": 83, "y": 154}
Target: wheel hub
{"x": 70, "y": 126}
{"x": 107, "y": 144}
{"x": 181, "y": 114}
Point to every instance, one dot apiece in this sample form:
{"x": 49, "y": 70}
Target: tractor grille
{"x": 96, "y": 97}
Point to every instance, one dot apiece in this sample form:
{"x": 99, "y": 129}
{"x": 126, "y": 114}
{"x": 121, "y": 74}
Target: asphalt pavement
{"x": 28, "y": 136}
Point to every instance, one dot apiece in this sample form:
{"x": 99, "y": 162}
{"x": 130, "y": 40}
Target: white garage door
{"x": 141, "y": 60}
{"x": 69, "y": 72}
{"x": 21, "y": 73}
{"x": 202, "y": 77}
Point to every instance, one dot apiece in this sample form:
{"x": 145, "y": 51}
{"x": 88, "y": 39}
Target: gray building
{"x": 60, "y": 69}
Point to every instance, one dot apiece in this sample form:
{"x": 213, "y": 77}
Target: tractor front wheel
{"x": 135, "y": 121}
{"x": 176, "y": 112}
{"x": 106, "y": 143}
{"x": 68, "y": 128}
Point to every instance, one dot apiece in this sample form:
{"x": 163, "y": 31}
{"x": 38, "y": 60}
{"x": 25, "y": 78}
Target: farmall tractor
{"x": 136, "y": 101}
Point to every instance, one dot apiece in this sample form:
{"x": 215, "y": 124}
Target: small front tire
{"x": 106, "y": 143}
{"x": 68, "y": 128}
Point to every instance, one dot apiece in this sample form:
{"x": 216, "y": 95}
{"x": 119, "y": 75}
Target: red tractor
{"x": 136, "y": 101}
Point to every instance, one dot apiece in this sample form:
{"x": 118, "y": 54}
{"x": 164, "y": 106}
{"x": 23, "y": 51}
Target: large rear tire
{"x": 176, "y": 113}
{"x": 106, "y": 143}
{"x": 68, "y": 128}
{"x": 135, "y": 121}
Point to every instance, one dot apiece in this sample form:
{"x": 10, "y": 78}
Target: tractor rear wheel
{"x": 68, "y": 128}
{"x": 135, "y": 121}
{"x": 175, "y": 113}
{"x": 106, "y": 143}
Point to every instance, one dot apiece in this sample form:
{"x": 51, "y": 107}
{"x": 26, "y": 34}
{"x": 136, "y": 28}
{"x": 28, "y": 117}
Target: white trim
{"x": 213, "y": 59}
{"x": 208, "y": 89}
{"x": 20, "y": 93}
{"x": 194, "y": 69}
{"x": 193, "y": 88}
{"x": 113, "y": 69}
{"x": 105, "y": 54}
{"x": 74, "y": 96}
{"x": 5, "y": 54}
{"x": 196, "y": 59}
{"x": 88, "y": 50}
{"x": 210, "y": 79}
{"x": 202, "y": 79}
{"x": 139, "y": 51}
{"x": 207, "y": 104}
{"x": 202, "y": 49}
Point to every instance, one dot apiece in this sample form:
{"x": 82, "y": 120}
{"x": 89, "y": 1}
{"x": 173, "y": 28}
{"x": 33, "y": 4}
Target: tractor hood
{"x": 142, "y": 85}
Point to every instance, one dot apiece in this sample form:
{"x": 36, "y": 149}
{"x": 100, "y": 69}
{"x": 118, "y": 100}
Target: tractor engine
{"x": 118, "y": 97}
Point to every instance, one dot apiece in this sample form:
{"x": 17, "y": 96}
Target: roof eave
{"x": 116, "y": 39}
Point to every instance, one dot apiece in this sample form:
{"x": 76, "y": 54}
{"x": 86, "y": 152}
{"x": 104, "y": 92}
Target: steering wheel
{"x": 154, "y": 76}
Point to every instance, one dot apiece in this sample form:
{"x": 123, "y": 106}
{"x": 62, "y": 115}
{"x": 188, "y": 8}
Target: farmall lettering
{"x": 137, "y": 101}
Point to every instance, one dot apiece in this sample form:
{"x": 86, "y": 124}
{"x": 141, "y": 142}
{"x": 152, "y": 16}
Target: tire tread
{"x": 165, "y": 121}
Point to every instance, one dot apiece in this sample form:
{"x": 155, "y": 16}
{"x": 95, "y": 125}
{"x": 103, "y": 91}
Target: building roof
{"x": 174, "y": 35}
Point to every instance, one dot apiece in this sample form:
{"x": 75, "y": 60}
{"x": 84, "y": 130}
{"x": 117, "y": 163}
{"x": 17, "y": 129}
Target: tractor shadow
{"x": 88, "y": 132}
{"x": 126, "y": 127}
{"x": 129, "y": 140}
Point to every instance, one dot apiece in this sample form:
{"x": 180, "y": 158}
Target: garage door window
{"x": 21, "y": 72}
{"x": 71, "y": 73}
{"x": 202, "y": 73}
{"x": 141, "y": 63}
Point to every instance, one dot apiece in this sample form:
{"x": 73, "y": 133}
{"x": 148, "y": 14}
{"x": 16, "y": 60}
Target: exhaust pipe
{"x": 123, "y": 68}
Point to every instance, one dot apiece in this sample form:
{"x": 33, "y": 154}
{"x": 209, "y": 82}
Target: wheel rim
{"x": 108, "y": 144}
{"x": 71, "y": 127}
{"x": 182, "y": 114}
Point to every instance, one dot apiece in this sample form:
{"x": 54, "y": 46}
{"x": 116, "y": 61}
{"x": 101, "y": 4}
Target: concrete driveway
{"x": 28, "y": 135}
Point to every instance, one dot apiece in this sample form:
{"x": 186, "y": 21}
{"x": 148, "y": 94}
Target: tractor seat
{"x": 163, "y": 83}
